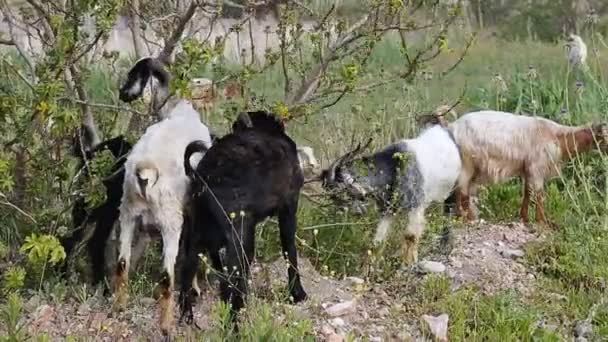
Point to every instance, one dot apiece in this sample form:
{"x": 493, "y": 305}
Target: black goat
{"x": 103, "y": 215}
{"x": 244, "y": 177}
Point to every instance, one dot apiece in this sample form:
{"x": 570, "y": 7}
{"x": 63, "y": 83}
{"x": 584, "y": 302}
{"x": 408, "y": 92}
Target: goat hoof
{"x": 298, "y": 295}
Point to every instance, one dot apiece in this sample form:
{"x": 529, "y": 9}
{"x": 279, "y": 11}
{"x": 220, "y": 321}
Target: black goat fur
{"x": 103, "y": 215}
{"x": 246, "y": 176}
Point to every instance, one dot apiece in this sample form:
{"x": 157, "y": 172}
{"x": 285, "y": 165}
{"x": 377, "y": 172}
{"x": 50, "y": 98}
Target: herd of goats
{"x": 206, "y": 194}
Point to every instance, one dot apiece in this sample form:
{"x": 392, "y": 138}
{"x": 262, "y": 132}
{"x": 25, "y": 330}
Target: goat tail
{"x": 138, "y": 77}
{"x": 146, "y": 173}
{"x": 197, "y": 146}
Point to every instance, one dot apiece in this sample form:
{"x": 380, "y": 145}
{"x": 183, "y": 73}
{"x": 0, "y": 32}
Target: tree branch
{"x": 171, "y": 43}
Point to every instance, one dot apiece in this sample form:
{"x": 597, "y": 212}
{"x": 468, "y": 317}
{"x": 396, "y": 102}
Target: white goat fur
{"x": 158, "y": 158}
{"x": 497, "y": 146}
{"x": 577, "y": 51}
{"x": 308, "y": 161}
{"x": 438, "y": 160}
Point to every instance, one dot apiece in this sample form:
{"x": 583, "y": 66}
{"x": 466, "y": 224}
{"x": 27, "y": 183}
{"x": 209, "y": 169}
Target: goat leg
{"x": 189, "y": 266}
{"x": 287, "y": 228}
{"x": 127, "y": 228}
{"x": 414, "y": 231}
{"x": 171, "y": 233}
{"x": 523, "y": 212}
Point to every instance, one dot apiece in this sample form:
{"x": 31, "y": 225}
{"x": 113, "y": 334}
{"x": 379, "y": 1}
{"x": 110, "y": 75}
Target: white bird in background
{"x": 577, "y": 51}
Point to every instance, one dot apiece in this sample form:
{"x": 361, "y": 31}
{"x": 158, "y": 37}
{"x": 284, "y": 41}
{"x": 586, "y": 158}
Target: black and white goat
{"x": 246, "y": 176}
{"x": 409, "y": 174}
{"x": 105, "y": 214}
{"x": 156, "y": 187}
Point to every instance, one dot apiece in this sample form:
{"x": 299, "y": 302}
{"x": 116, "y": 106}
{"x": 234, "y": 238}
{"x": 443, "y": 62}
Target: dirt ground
{"x": 486, "y": 255}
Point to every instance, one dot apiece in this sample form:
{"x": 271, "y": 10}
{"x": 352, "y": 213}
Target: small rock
{"x": 341, "y": 309}
{"x": 335, "y": 338}
{"x": 457, "y": 264}
{"x": 404, "y": 336}
{"x": 431, "y": 267}
{"x": 337, "y": 322}
{"x": 83, "y": 309}
{"x": 147, "y": 301}
{"x": 43, "y": 316}
{"x": 32, "y": 303}
{"x": 375, "y": 339}
{"x": 438, "y": 326}
{"x": 583, "y": 329}
{"x": 355, "y": 280}
{"x": 512, "y": 253}
{"x": 96, "y": 321}
{"x": 383, "y": 312}
{"x": 327, "y": 330}
{"x": 580, "y": 339}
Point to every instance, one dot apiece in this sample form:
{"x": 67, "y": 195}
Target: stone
{"x": 438, "y": 326}
{"x": 512, "y": 253}
{"x": 431, "y": 267}
{"x": 375, "y": 339}
{"x": 335, "y": 338}
{"x": 337, "y": 322}
{"x": 147, "y": 301}
{"x": 583, "y": 329}
{"x": 355, "y": 280}
{"x": 327, "y": 330}
{"x": 341, "y": 309}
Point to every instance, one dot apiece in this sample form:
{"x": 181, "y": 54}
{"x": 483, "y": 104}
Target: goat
{"x": 155, "y": 186}
{"x": 577, "y": 51}
{"x": 244, "y": 177}
{"x": 105, "y": 214}
{"x": 497, "y": 146}
{"x": 308, "y": 162}
{"x": 409, "y": 174}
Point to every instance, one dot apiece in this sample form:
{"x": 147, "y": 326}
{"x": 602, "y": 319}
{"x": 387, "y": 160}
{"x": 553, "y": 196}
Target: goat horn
{"x": 348, "y": 156}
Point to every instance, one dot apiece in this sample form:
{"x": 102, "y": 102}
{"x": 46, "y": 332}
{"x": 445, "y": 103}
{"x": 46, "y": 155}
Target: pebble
{"x": 583, "y": 329}
{"x": 147, "y": 301}
{"x": 438, "y": 326}
{"x": 512, "y": 253}
{"x": 327, "y": 330}
{"x": 431, "y": 267}
{"x": 335, "y": 338}
{"x": 337, "y": 322}
{"x": 341, "y": 309}
{"x": 355, "y": 280}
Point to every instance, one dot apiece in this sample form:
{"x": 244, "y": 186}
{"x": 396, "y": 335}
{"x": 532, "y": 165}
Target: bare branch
{"x": 136, "y": 29}
{"x": 171, "y": 43}
{"x": 88, "y": 120}
{"x": 19, "y": 74}
{"x": 310, "y": 83}
{"x": 102, "y": 105}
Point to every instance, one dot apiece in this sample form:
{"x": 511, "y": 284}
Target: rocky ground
{"x": 485, "y": 255}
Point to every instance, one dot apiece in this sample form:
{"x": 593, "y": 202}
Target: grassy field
{"x": 571, "y": 263}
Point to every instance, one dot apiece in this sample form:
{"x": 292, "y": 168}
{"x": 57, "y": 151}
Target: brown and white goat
{"x": 497, "y": 146}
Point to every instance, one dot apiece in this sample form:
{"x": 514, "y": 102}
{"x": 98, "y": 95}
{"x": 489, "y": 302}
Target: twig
{"x": 170, "y": 44}
{"x": 19, "y": 210}
{"x": 102, "y": 105}
{"x": 18, "y": 73}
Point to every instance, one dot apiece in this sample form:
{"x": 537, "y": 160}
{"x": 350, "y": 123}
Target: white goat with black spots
{"x": 156, "y": 186}
{"x": 409, "y": 174}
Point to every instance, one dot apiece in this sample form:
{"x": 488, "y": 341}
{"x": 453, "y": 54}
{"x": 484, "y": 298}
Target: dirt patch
{"x": 491, "y": 257}
{"x": 488, "y": 256}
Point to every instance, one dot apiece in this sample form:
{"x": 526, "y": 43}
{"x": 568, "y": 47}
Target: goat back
{"x": 252, "y": 169}
{"x": 258, "y": 120}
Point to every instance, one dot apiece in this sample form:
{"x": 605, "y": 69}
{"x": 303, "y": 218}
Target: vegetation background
{"x": 62, "y": 62}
